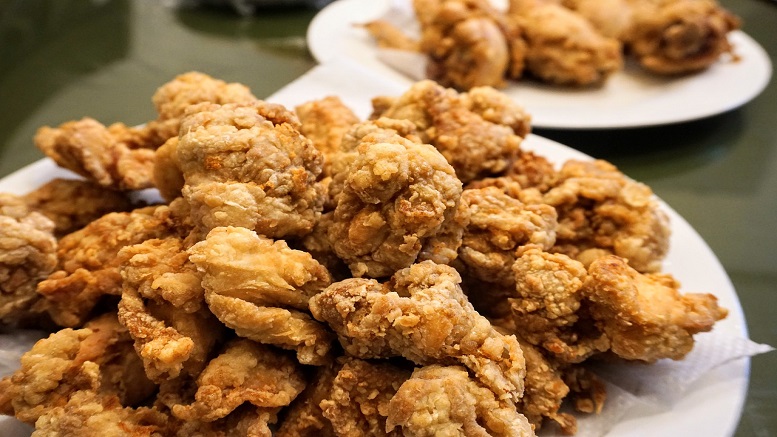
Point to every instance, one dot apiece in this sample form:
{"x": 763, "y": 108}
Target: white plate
{"x": 630, "y": 98}
{"x": 712, "y": 405}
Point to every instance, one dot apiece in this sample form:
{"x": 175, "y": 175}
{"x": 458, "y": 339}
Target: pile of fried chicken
{"x": 310, "y": 273}
{"x": 469, "y": 43}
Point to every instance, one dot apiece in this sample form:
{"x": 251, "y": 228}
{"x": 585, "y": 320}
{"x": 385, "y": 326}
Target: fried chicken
{"x": 324, "y": 122}
{"x": 562, "y": 47}
{"x": 245, "y": 372}
{"x": 389, "y": 36}
{"x": 358, "y": 402}
{"x": 601, "y": 211}
{"x": 261, "y": 289}
{"x": 304, "y": 417}
{"x": 27, "y": 255}
{"x": 465, "y": 128}
{"x": 645, "y": 316}
{"x": 446, "y": 401}
{"x": 168, "y": 176}
{"x": 423, "y": 315}
{"x": 88, "y": 267}
{"x": 248, "y": 165}
{"x": 73, "y": 203}
{"x": 679, "y": 36}
{"x": 400, "y": 203}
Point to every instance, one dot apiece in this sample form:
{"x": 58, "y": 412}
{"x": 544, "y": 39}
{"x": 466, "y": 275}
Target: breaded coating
{"x": 645, "y": 316}
{"x": 389, "y": 36}
{"x": 304, "y": 417}
{"x": 602, "y": 211}
{"x": 73, "y": 203}
{"x": 545, "y": 391}
{"x": 89, "y": 415}
{"x": 248, "y": 165}
{"x": 324, "y": 121}
{"x": 27, "y": 256}
{"x": 168, "y": 177}
{"x": 446, "y": 401}
{"x": 162, "y": 305}
{"x": 611, "y": 18}
{"x": 399, "y": 203}
{"x": 245, "y": 421}
{"x": 423, "y": 315}
{"x": 98, "y": 153}
{"x": 586, "y": 390}
{"x": 679, "y": 36}
{"x": 172, "y": 99}
{"x": 498, "y": 108}
{"x": 499, "y": 225}
{"x": 563, "y": 47}
{"x": 467, "y": 134}
{"x": 358, "y": 402}
{"x": 88, "y": 266}
{"x": 97, "y": 359}
{"x": 547, "y": 306}
{"x": 261, "y": 289}
{"x": 245, "y": 372}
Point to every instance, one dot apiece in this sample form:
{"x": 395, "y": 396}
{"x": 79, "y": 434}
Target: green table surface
{"x": 63, "y": 59}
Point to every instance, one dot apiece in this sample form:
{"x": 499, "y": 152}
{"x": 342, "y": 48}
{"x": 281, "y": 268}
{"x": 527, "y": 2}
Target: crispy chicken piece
{"x": 245, "y": 372}
{"x": 245, "y": 421}
{"x": 586, "y": 390}
{"x": 548, "y": 308}
{"x": 644, "y": 316}
{"x": 679, "y": 36}
{"x": 545, "y": 391}
{"x": 601, "y": 211}
{"x": 27, "y": 255}
{"x": 446, "y": 401}
{"x": 470, "y": 44}
{"x": 389, "y": 36}
{"x": 563, "y": 47}
{"x": 172, "y": 99}
{"x": 304, "y": 417}
{"x": 423, "y": 315}
{"x": 162, "y": 305}
{"x": 73, "y": 203}
{"x": 357, "y": 404}
{"x": 88, "y": 267}
{"x": 90, "y": 415}
{"x": 400, "y": 203}
{"x": 612, "y": 18}
{"x": 460, "y": 126}
{"x": 97, "y": 359}
{"x": 100, "y": 154}
{"x": 324, "y": 122}
{"x": 248, "y": 165}
{"x": 261, "y": 289}
{"x": 499, "y": 225}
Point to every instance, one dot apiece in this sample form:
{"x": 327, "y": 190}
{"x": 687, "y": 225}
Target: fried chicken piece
{"x": 245, "y": 372}
{"x": 72, "y": 203}
{"x": 423, "y": 315}
{"x": 88, "y": 266}
{"x": 499, "y": 225}
{"x": 445, "y": 401}
{"x": 545, "y": 391}
{"x": 98, "y": 153}
{"x": 389, "y": 36}
{"x": 602, "y": 211}
{"x": 612, "y": 18}
{"x": 679, "y": 36}
{"x": 261, "y": 289}
{"x": 172, "y": 99}
{"x": 400, "y": 203}
{"x": 249, "y": 166}
{"x": 460, "y": 126}
{"x": 304, "y": 417}
{"x": 168, "y": 176}
{"x": 97, "y": 359}
{"x": 162, "y": 305}
{"x": 587, "y": 391}
{"x": 644, "y": 316}
{"x": 27, "y": 255}
{"x": 90, "y": 415}
{"x": 548, "y": 308}
{"x": 358, "y": 402}
{"x": 470, "y": 44}
{"x": 324, "y": 122}
{"x": 563, "y": 47}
